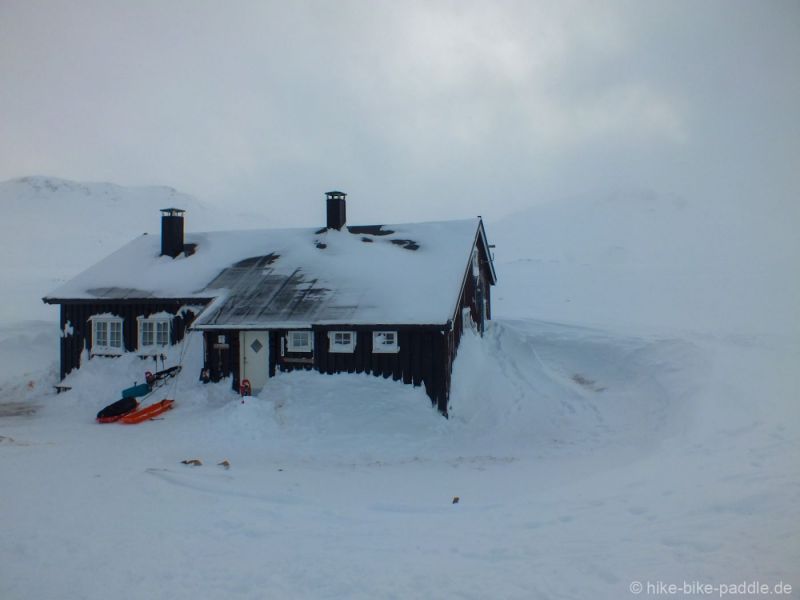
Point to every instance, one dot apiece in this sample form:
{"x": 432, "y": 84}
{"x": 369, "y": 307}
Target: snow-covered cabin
{"x": 383, "y": 299}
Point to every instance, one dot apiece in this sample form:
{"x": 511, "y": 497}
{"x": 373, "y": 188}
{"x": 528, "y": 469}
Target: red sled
{"x": 148, "y": 412}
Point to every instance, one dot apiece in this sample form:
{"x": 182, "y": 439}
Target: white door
{"x": 254, "y": 361}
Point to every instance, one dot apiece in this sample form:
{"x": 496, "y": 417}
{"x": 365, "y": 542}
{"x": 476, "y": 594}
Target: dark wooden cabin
{"x": 390, "y": 300}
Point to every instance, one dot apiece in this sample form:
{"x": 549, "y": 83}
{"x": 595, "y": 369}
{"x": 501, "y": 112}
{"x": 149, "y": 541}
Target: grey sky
{"x": 418, "y": 110}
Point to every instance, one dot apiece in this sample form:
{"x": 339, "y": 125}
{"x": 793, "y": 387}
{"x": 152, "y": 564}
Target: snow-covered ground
{"x": 625, "y": 419}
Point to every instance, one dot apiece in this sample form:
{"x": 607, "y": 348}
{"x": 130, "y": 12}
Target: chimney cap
{"x": 335, "y": 194}
{"x": 172, "y": 212}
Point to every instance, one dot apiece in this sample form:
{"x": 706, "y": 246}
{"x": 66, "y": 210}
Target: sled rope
{"x": 184, "y": 346}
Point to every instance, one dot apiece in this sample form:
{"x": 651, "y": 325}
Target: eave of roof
{"x": 148, "y": 300}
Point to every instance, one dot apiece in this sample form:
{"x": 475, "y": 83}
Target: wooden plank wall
{"x": 421, "y": 361}
{"x": 77, "y": 315}
{"x": 486, "y": 276}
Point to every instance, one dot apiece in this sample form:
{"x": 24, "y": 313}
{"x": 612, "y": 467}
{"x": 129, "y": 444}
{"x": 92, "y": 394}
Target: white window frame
{"x": 381, "y": 345}
{"x": 337, "y": 343}
{"x": 165, "y": 322}
{"x": 108, "y": 322}
{"x": 292, "y": 347}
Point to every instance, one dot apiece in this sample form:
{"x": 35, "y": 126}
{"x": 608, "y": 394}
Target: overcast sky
{"x": 417, "y": 110}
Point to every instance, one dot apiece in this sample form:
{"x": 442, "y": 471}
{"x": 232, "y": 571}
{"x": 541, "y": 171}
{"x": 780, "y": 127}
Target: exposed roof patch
{"x": 407, "y": 244}
{"x": 369, "y": 229}
{"x": 257, "y": 261}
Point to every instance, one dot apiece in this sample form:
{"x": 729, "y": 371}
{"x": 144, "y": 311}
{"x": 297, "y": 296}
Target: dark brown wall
{"x": 222, "y": 362}
{"x": 420, "y": 360}
{"x": 486, "y": 276}
{"x": 423, "y": 359}
{"x": 77, "y": 314}
{"x": 474, "y": 287}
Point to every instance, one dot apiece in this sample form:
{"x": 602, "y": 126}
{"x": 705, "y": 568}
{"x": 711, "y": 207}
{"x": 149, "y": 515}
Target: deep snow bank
{"x": 531, "y": 385}
{"x": 525, "y": 388}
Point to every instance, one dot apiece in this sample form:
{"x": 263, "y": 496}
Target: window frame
{"x": 109, "y": 322}
{"x": 155, "y": 322}
{"x": 291, "y": 347}
{"x": 379, "y": 346}
{"x": 340, "y": 347}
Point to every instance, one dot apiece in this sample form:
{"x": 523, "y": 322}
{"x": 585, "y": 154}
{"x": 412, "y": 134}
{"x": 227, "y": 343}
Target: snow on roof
{"x": 382, "y": 274}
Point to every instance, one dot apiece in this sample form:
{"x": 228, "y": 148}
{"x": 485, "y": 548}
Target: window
{"x": 342, "y": 341}
{"x": 384, "y": 342}
{"x": 299, "y": 341}
{"x": 107, "y": 335}
{"x": 154, "y": 332}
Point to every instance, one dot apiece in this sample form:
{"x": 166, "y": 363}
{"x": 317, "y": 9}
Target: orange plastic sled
{"x": 148, "y": 412}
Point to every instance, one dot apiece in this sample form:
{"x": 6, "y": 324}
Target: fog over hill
{"x": 54, "y": 228}
{"x": 640, "y": 257}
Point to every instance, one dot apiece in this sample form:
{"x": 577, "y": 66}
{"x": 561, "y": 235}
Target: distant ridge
{"x": 53, "y": 228}
{"x": 48, "y": 185}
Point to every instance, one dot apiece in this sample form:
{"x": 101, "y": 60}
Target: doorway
{"x": 254, "y": 364}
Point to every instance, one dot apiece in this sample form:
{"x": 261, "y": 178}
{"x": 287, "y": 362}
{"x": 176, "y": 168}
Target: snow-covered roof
{"x": 383, "y": 274}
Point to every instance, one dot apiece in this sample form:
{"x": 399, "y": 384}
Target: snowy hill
{"x": 54, "y": 228}
{"x": 641, "y": 259}
{"x": 628, "y": 417}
